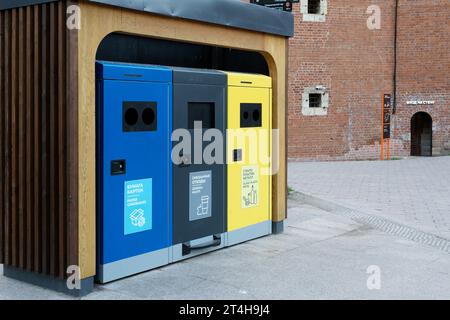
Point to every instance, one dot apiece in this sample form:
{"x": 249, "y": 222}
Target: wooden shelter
{"x": 47, "y": 103}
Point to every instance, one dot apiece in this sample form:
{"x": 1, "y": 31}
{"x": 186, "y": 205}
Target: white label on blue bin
{"x": 138, "y": 206}
{"x": 200, "y": 195}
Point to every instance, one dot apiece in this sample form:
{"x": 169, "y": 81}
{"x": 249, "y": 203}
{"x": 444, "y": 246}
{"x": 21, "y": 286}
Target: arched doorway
{"x": 421, "y": 134}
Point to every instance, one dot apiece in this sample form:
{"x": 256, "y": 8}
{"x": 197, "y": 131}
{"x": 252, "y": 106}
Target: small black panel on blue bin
{"x": 118, "y": 167}
{"x": 139, "y": 116}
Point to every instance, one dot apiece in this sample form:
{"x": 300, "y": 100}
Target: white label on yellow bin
{"x": 250, "y": 186}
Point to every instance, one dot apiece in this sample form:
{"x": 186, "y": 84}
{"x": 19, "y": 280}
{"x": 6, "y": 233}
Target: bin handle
{"x": 187, "y": 248}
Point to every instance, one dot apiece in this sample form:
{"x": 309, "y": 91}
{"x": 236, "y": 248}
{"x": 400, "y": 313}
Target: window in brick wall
{"x": 314, "y": 10}
{"x": 314, "y": 6}
{"x": 315, "y": 101}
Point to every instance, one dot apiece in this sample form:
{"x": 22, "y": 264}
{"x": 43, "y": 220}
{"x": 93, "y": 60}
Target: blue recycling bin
{"x": 134, "y": 222}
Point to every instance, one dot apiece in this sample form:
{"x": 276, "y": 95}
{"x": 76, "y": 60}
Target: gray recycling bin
{"x": 199, "y": 189}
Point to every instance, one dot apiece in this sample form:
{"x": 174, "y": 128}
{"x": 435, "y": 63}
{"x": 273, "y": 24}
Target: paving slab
{"x": 411, "y": 191}
{"x": 320, "y": 255}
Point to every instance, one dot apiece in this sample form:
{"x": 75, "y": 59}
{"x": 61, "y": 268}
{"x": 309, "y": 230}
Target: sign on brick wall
{"x": 285, "y": 5}
{"x": 386, "y": 110}
{"x": 387, "y": 116}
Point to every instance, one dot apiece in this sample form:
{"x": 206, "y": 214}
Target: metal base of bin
{"x": 44, "y": 281}
{"x": 248, "y": 233}
{"x": 277, "y": 227}
{"x": 131, "y": 266}
{"x": 178, "y": 254}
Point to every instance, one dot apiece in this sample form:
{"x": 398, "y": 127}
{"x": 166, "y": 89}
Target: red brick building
{"x": 341, "y": 62}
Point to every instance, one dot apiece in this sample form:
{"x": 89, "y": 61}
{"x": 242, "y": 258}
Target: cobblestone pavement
{"x": 412, "y": 191}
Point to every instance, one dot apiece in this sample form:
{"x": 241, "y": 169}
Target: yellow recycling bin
{"x": 249, "y": 156}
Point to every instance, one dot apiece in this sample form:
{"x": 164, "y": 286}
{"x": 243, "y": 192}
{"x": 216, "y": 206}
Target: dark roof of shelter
{"x": 232, "y": 13}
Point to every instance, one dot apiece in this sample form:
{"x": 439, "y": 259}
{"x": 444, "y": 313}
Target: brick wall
{"x": 356, "y": 65}
{"x": 423, "y": 69}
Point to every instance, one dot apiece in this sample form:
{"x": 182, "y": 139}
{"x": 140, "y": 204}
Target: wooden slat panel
{"x": 7, "y": 141}
{"x": 38, "y": 127}
{"x": 14, "y": 142}
{"x": 37, "y": 141}
{"x": 29, "y": 155}
{"x": 20, "y": 183}
{"x": 53, "y": 139}
{"x": 61, "y": 135}
{"x": 2, "y": 146}
{"x": 44, "y": 136}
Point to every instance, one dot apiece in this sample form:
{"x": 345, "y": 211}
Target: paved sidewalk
{"x": 413, "y": 191}
{"x": 319, "y": 256}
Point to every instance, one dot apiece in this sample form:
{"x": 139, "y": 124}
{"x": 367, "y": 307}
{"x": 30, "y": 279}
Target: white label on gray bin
{"x": 199, "y": 195}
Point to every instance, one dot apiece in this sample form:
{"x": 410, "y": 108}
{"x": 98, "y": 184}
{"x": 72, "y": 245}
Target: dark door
{"x": 421, "y": 134}
{"x": 199, "y": 189}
